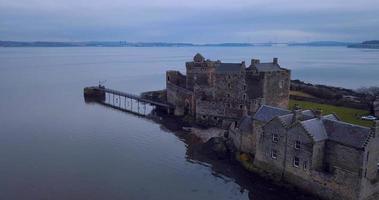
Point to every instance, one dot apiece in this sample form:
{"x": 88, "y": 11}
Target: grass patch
{"x": 349, "y": 115}
{"x": 301, "y": 94}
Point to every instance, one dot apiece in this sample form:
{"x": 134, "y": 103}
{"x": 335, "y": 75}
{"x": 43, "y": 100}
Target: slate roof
{"x": 267, "y": 67}
{"x": 286, "y": 119}
{"x": 347, "y": 134}
{"x": 331, "y": 117}
{"x": 328, "y": 127}
{"x": 228, "y": 67}
{"x": 266, "y": 113}
{"x": 315, "y": 128}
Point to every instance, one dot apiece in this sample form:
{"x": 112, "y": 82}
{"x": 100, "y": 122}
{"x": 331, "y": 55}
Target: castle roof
{"x": 347, "y": 134}
{"x": 327, "y": 127}
{"x": 266, "y": 113}
{"x": 229, "y": 68}
{"x": 267, "y": 67}
{"x": 315, "y": 128}
{"x": 287, "y": 119}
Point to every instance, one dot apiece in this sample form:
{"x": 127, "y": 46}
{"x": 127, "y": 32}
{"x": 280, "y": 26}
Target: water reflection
{"x": 228, "y": 169}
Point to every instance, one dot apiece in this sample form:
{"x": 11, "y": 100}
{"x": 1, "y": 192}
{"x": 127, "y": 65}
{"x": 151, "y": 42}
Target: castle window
{"x": 214, "y": 118}
{"x": 229, "y": 105}
{"x": 296, "y": 161}
{"x": 297, "y": 144}
{"x": 305, "y": 163}
{"x": 244, "y": 87}
{"x": 281, "y": 84}
{"x": 229, "y": 77}
{"x": 275, "y": 137}
{"x": 241, "y": 106}
{"x": 274, "y": 154}
{"x": 244, "y": 97}
{"x": 204, "y": 117}
{"x": 229, "y": 86}
{"x": 228, "y": 95}
{"x": 168, "y": 78}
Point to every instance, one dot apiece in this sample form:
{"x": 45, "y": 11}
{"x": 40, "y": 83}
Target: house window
{"x": 274, "y": 154}
{"x": 297, "y": 144}
{"x": 296, "y": 161}
{"x": 305, "y": 165}
{"x": 275, "y": 137}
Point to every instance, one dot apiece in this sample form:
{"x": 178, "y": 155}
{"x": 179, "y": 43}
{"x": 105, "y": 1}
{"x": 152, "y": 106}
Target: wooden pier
{"x": 124, "y": 101}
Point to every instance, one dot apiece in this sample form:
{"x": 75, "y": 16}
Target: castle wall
{"x": 199, "y": 74}
{"x": 343, "y": 157}
{"x": 370, "y": 180}
{"x": 242, "y": 140}
{"x": 177, "y": 95}
{"x": 266, "y": 146}
{"x": 255, "y": 85}
{"x": 304, "y": 153}
{"x": 276, "y": 88}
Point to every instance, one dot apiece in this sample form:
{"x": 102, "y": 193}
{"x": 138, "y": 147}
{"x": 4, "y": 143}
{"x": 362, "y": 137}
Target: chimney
{"x": 318, "y": 113}
{"x": 297, "y": 113}
{"x": 275, "y": 60}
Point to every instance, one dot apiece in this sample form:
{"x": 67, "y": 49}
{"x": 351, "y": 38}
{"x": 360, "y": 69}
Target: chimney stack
{"x": 275, "y": 60}
{"x": 297, "y": 113}
{"x": 318, "y": 113}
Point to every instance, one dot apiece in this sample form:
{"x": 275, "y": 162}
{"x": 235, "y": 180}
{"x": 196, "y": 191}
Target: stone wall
{"x": 266, "y": 146}
{"x": 276, "y": 88}
{"x": 181, "y": 98}
{"x": 376, "y": 107}
{"x": 199, "y": 73}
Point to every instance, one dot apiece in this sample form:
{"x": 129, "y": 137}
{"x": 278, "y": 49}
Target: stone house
{"x": 216, "y": 93}
{"x": 376, "y": 107}
{"x": 320, "y": 154}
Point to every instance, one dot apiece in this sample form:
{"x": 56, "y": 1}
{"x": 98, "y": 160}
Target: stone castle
{"x": 320, "y": 154}
{"x": 217, "y": 93}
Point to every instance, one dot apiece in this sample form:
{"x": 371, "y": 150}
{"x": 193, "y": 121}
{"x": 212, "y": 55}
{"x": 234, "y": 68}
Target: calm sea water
{"x": 54, "y": 146}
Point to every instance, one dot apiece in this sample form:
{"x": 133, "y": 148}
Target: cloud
{"x": 189, "y": 21}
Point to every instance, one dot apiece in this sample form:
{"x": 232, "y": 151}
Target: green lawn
{"x": 349, "y": 115}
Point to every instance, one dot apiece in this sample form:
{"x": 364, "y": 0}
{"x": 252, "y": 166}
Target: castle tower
{"x": 199, "y": 72}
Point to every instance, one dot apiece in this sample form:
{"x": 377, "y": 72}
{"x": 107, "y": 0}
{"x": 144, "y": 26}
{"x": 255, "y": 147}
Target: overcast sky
{"x": 197, "y": 21}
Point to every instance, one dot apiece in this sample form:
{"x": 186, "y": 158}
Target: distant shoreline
{"x": 164, "y": 44}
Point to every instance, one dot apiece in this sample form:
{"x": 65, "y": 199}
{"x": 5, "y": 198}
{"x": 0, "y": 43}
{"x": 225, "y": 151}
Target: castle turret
{"x": 198, "y": 58}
